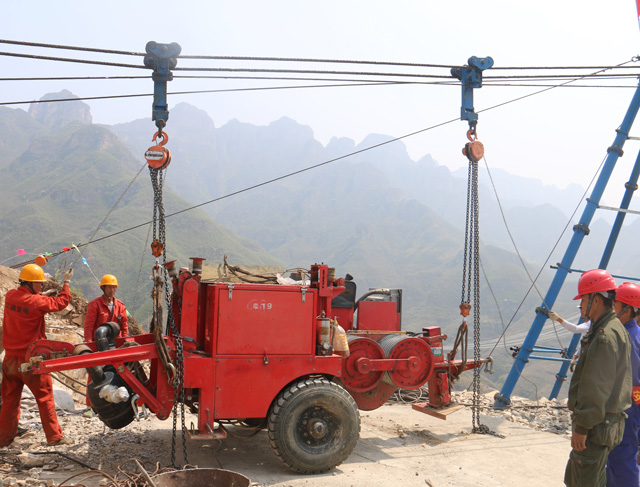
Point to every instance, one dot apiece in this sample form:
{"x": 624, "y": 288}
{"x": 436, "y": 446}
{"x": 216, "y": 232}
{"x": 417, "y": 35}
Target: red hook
{"x": 165, "y": 138}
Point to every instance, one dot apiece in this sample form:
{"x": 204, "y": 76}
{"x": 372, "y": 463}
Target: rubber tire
{"x": 314, "y": 398}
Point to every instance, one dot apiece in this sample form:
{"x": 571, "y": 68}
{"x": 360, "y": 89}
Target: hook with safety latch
{"x": 158, "y": 156}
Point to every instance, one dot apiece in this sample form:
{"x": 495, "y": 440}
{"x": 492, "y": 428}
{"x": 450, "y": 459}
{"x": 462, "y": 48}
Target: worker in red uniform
{"x": 24, "y": 310}
{"x": 106, "y": 308}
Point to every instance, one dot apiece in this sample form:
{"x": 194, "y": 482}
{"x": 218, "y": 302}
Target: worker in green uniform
{"x": 600, "y": 389}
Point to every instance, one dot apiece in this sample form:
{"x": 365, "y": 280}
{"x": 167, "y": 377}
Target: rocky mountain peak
{"x": 51, "y": 114}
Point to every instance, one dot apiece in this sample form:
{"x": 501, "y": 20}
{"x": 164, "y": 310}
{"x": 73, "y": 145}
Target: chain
{"x": 159, "y": 233}
{"x": 464, "y": 298}
{"x": 474, "y": 268}
{"x": 472, "y": 280}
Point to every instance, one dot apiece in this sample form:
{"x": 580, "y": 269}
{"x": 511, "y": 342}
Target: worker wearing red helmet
{"x": 600, "y": 389}
{"x": 106, "y": 308}
{"x": 622, "y": 466}
{"x": 24, "y": 310}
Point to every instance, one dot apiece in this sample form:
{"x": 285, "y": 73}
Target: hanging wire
{"x": 543, "y": 266}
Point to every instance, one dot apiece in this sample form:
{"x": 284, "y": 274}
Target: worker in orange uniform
{"x": 106, "y": 308}
{"x": 24, "y": 310}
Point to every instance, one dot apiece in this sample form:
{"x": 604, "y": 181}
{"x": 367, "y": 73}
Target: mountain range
{"x": 378, "y": 215}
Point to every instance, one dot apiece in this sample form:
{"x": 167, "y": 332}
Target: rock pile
{"x": 541, "y": 415}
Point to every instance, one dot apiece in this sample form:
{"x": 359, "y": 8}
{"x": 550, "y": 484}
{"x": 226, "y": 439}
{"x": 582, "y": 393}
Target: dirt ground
{"x": 397, "y": 445}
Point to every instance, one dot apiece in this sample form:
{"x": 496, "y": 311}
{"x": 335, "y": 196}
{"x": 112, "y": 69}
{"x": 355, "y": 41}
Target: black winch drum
{"x": 201, "y": 477}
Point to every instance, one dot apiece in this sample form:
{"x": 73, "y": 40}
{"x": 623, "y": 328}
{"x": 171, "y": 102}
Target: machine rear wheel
{"x": 314, "y": 425}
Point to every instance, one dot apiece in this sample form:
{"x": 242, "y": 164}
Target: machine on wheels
{"x": 256, "y": 355}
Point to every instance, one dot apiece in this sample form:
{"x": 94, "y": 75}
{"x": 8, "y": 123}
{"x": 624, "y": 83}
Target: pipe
{"x": 103, "y": 333}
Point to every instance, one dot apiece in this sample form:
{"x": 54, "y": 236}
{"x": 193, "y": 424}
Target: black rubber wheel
{"x": 314, "y": 425}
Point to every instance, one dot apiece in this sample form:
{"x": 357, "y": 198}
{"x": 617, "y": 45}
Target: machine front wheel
{"x": 314, "y": 425}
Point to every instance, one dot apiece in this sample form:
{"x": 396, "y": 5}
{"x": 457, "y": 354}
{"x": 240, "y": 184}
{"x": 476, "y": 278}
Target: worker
{"x": 622, "y": 466}
{"x": 24, "y": 310}
{"x": 106, "y": 308}
{"x": 581, "y": 328}
{"x": 600, "y": 389}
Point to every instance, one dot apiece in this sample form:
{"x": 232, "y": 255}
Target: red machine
{"x": 258, "y": 354}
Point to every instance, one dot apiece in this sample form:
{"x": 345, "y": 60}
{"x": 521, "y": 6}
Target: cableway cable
{"x": 71, "y": 48}
{"x": 325, "y": 163}
{"x": 72, "y": 60}
{"x": 194, "y": 92}
{"x": 517, "y": 250}
{"x": 297, "y": 60}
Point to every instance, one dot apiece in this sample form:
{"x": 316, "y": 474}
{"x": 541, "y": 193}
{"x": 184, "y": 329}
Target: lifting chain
{"x": 161, "y": 280}
{"x": 470, "y": 297}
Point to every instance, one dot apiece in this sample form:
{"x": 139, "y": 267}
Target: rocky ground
{"x": 28, "y": 461}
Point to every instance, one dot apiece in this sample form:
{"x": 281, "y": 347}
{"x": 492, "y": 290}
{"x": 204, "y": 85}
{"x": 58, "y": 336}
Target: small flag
{"x": 22, "y": 252}
{"x": 84, "y": 261}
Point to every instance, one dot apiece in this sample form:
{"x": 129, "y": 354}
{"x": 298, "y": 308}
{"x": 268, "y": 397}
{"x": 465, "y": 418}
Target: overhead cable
{"x": 70, "y": 48}
{"x": 106, "y": 97}
{"x": 72, "y": 60}
{"x": 286, "y": 59}
{"x": 328, "y": 162}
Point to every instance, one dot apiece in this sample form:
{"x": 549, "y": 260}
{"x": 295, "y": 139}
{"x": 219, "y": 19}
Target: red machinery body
{"x": 246, "y": 345}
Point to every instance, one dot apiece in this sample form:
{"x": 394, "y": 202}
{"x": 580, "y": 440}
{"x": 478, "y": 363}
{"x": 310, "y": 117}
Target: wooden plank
{"x": 440, "y": 413}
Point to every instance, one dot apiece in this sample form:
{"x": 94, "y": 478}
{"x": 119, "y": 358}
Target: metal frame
{"x": 502, "y": 399}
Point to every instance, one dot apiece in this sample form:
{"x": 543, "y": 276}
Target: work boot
{"x": 62, "y": 441}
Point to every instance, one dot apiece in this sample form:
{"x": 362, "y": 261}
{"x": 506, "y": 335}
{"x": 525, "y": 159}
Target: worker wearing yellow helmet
{"x": 24, "y": 310}
{"x": 105, "y": 309}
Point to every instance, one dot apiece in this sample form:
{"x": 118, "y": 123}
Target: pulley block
{"x": 156, "y": 248}
{"x": 474, "y": 149}
{"x": 158, "y": 156}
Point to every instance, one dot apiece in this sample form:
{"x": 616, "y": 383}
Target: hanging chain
{"x": 474, "y": 150}
{"x": 474, "y": 268}
{"x": 175, "y": 373}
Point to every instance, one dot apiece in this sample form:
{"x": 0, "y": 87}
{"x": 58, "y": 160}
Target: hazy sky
{"x": 560, "y": 136}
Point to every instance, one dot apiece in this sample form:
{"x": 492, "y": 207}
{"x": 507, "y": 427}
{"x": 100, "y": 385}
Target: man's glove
{"x": 553, "y": 316}
{"x": 50, "y": 292}
{"x": 68, "y": 275}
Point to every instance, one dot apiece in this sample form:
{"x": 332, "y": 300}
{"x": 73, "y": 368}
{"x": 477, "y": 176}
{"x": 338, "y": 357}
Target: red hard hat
{"x": 629, "y": 293}
{"x": 595, "y": 281}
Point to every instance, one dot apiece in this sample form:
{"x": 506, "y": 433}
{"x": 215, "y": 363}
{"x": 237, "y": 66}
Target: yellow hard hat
{"x": 109, "y": 280}
{"x": 32, "y": 273}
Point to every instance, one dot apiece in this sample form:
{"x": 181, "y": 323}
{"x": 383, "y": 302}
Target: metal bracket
{"x": 230, "y": 288}
{"x": 161, "y": 58}
{"x": 303, "y": 289}
{"x": 137, "y": 414}
{"x": 471, "y": 77}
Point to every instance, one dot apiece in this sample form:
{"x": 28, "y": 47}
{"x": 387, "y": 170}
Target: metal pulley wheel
{"x": 356, "y": 369}
{"x": 158, "y": 156}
